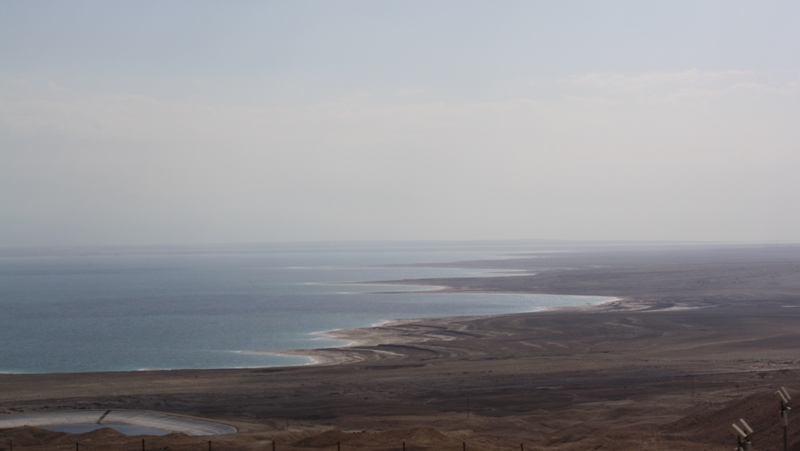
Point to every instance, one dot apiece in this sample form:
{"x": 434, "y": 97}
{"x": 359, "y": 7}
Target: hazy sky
{"x": 149, "y": 122}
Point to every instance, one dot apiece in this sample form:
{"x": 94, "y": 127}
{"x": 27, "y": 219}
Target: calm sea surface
{"x": 120, "y": 309}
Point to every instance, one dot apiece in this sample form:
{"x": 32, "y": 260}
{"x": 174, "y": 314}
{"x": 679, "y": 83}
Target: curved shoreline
{"x": 385, "y": 332}
{"x": 363, "y": 341}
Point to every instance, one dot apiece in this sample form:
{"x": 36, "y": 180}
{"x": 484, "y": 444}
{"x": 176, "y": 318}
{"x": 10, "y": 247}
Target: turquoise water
{"x": 122, "y": 309}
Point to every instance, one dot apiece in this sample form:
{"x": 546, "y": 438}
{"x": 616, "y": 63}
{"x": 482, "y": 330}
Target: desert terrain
{"x": 699, "y": 337}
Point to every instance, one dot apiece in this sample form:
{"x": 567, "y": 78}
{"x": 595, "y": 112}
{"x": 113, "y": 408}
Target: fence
{"x": 157, "y": 445}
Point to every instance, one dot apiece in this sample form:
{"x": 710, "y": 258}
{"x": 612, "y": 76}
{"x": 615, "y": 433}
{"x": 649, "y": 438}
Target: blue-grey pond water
{"x": 127, "y": 429}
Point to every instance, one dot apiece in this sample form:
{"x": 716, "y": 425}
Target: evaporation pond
{"x": 127, "y": 429}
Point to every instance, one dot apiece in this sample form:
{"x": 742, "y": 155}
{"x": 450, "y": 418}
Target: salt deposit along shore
{"x": 701, "y": 336}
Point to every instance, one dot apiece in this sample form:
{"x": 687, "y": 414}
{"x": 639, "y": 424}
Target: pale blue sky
{"x": 187, "y": 122}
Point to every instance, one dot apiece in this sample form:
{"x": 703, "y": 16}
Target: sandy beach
{"x": 698, "y": 338}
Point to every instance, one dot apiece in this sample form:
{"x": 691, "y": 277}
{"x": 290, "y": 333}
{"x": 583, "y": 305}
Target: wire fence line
{"x": 210, "y": 445}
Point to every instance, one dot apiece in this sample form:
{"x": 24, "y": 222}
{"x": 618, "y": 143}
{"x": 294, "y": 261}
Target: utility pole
{"x": 783, "y": 395}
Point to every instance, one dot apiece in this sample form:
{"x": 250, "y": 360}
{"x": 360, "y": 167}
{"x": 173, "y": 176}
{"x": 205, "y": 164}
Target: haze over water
{"x": 120, "y": 309}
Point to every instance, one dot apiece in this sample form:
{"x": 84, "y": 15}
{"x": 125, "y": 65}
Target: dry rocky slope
{"x": 700, "y": 338}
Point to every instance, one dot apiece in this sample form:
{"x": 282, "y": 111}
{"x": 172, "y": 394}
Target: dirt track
{"x": 701, "y": 338}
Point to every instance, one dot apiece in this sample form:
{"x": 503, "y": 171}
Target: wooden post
{"x": 338, "y": 446}
{"x": 143, "y": 445}
{"x": 209, "y": 445}
{"x": 464, "y": 445}
{"x": 404, "y": 446}
{"x": 77, "y": 447}
{"x": 521, "y": 447}
{"x": 273, "y": 445}
{"x": 784, "y": 395}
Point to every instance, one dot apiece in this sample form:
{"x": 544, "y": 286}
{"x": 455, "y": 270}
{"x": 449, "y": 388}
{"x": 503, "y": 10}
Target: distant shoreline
{"x": 381, "y": 333}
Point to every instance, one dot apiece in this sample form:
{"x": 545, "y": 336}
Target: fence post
{"x": 521, "y": 447}
{"x": 338, "y": 446}
{"x": 464, "y": 445}
{"x": 143, "y": 445}
{"x": 76, "y": 446}
{"x": 209, "y": 445}
{"x": 273, "y": 445}
{"x": 404, "y": 446}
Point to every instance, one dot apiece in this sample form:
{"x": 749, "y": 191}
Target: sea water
{"x": 139, "y": 308}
